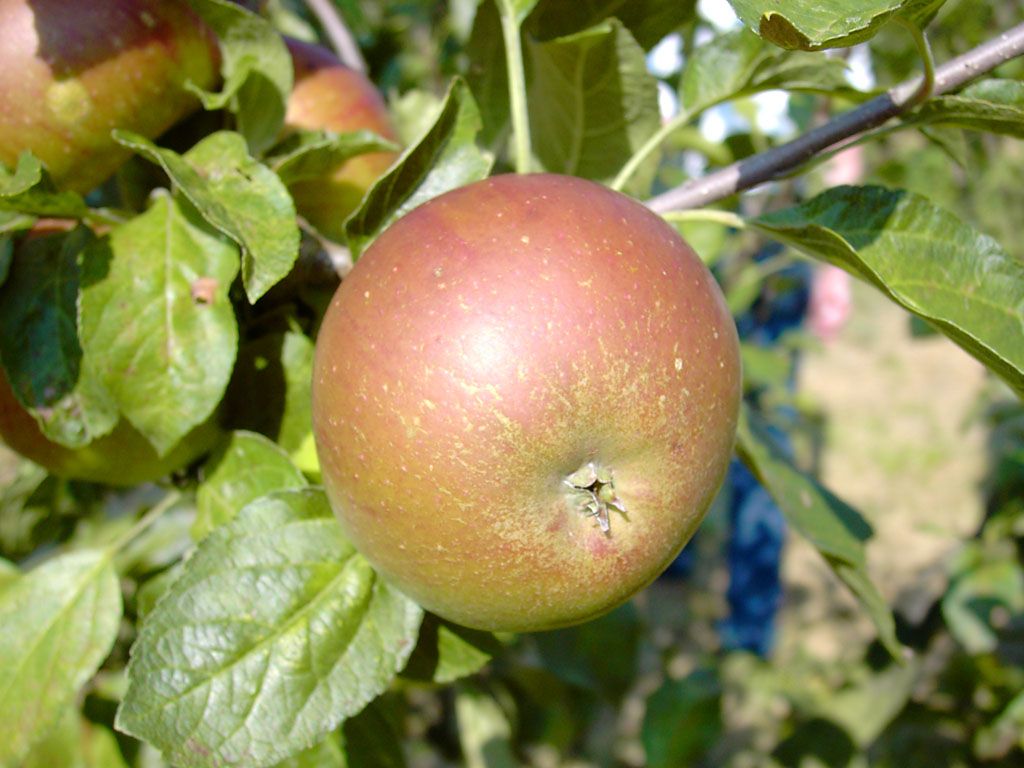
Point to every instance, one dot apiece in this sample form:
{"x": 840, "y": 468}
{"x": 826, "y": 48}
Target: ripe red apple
{"x": 123, "y": 457}
{"x": 70, "y": 72}
{"x": 329, "y": 96}
{"x": 524, "y": 399}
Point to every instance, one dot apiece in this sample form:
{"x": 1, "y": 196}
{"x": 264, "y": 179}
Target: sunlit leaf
{"x": 28, "y": 190}
{"x": 592, "y": 101}
{"x": 59, "y": 622}
{"x": 238, "y": 196}
{"x": 257, "y": 71}
{"x": 275, "y": 631}
{"x": 248, "y": 467}
{"x": 156, "y": 319}
{"x": 993, "y": 105}
{"x": 311, "y": 154}
{"x": 446, "y": 652}
{"x": 445, "y": 158}
{"x": 815, "y": 24}
{"x": 923, "y": 258}
{"x": 740, "y": 63}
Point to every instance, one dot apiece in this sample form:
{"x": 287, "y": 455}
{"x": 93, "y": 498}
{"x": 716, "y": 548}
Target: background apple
{"x": 524, "y": 399}
{"x": 330, "y": 96}
{"x": 72, "y": 72}
{"x": 123, "y": 457}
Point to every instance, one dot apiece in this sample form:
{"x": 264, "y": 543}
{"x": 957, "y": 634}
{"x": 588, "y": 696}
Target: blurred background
{"x": 895, "y": 419}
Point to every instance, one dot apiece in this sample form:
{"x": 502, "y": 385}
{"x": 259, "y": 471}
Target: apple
{"x": 124, "y": 457}
{"x": 525, "y": 397}
{"x": 71, "y": 72}
{"x": 329, "y": 96}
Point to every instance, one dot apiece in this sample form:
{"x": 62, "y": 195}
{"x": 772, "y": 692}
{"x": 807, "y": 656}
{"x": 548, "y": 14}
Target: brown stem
{"x": 775, "y": 162}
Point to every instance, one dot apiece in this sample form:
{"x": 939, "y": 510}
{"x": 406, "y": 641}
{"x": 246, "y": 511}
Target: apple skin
{"x": 329, "y": 96}
{"x": 71, "y": 72}
{"x": 121, "y": 458}
{"x": 489, "y": 346}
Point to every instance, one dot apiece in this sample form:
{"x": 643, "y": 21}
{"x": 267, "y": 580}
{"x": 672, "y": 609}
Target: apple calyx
{"x": 594, "y": 494}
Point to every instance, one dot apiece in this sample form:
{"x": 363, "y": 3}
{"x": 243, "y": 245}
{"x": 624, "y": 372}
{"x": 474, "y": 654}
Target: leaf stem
{"x": 924, "y": 49}
{"x": 726, "y": 218}
{"x": 516, "y": 86}
{"x": 154, "y": 514}
{"x": 666, "y": 130}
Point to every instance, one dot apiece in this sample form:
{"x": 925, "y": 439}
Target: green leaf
{"x": 994, "y": 105}
{"x": 446, "y": 652}
{"x": 835, "y": 529}
{"x": 866, "y": 709}
{"x": 985, "y": 581}
{"x": 6, "y": 257}
{"x": 593, "y": 103}
{"x": 600, "y": 655}
{"x": 445, "y": 158}
{"x": 739, "y": 63}
{"x": 29, "y": 190}
{"x": 238, "y": 196}
{"x": 76, "y": 743}
{"x": 156, "y": 320}
{"x": 59, "y": 622}
{"x": 484, "y": 729}
{"x": 923, "y": 258}
{"x": 487, "y": 75}
{"x": 276, "y": 631}
{"x": 270, "y": 393}
{"x": 811, "y": 25}
{"x": 39, "y": 346}
{"x": 312, "y": 154}
{"x": 248, "y": 467}
{"x": 683, "y": 720}
{"x": 647, "y": 20}
{"x": 11, "y": 222}
{"x": 8, "y": 572}
{"x": 372, "y": 739}
{"x": 257, "y": 71}
{"x": 327, "y": 754}
{"x": 1006, "y": 732}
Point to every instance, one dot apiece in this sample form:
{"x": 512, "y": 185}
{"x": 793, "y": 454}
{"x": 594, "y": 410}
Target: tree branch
{"x": 341, "y": 38}
{"x": 775, "y": 162}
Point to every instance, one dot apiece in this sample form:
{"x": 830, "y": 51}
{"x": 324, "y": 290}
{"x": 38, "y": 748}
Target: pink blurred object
{"x": 831, "y": 302}
{"x": 845, "y": 168}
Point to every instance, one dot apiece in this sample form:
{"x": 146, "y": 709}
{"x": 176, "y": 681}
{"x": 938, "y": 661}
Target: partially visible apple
{"x": 70, "y": 72}
{"x": 525, "y": 397}
{"x": 332, "y": 97}
{"x": 122, "y": 458}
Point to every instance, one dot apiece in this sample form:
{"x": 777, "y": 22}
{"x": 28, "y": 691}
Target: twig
{"x": 341, "y": 38}
{"x": 780, "y": 160}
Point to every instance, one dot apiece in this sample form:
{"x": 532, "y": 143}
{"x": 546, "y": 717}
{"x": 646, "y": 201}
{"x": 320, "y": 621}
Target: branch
{"x": 775, "y": 162}
{"x": 341, "y": 38}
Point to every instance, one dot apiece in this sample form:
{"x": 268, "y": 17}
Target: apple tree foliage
{"x": 221, "y": 618}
